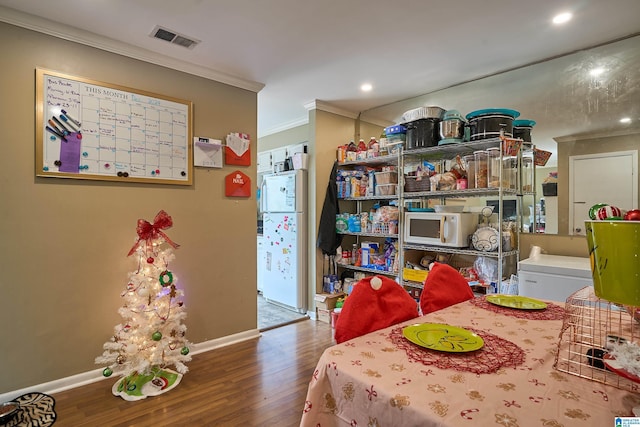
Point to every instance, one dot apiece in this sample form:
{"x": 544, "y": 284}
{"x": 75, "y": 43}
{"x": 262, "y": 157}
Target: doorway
{"x": 610, "y": 178}
{"x": 270, "y": 314}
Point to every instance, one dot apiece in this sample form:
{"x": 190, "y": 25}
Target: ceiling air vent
{"x": 173, "y": 37}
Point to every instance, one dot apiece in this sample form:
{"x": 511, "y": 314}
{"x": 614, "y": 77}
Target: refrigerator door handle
{"x": 263, "y": 198}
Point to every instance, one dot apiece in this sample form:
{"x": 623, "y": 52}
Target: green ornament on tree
{"x": 157, "y": 336}
{"x": 184, "y": 351}
{"x": 107, "y": 372}
{"x": 166, "y": 278}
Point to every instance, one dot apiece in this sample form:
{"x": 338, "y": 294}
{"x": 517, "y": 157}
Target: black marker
{"x": 56, "y": 134}
{"x": 74, "y": 121}
{"x": 61, "y": 125}
{"x": 66, "y": 121}
{"x": 56, "y": 128}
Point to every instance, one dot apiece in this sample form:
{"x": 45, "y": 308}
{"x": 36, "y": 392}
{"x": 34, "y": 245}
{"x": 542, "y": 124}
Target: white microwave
{"x": 439, "y": 229}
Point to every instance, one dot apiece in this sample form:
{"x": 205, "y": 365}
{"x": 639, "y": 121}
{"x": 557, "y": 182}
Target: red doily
{"x": 495, "y": 354}
{"x": 552, "y": 312}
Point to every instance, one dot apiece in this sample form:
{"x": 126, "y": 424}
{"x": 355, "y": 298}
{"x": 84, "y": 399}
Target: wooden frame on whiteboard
{"x": 86, "y": 129}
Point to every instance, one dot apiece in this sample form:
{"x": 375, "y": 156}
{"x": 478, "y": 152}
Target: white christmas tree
{"x": 152, "y": 335}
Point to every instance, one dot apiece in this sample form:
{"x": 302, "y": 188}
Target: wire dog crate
{"x": 590, "y": 327}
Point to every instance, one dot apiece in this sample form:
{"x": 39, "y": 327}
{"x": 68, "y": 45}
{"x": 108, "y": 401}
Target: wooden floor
{"x": 261, "y": 382}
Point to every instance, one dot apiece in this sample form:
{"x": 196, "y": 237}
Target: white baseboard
{"x": 95, "y": 375}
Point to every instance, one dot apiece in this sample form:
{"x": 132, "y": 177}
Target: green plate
{"x": 515, "y": 301}
{"x": 441, "y": 337}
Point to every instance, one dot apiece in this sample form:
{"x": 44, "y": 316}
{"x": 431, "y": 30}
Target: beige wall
{"x": 63, "y": 243}
{"x": 366, "y": 130}
{"x": 296, "y": 135}
{"x": 553, "y": 245}
{"x": 329, "y": 131}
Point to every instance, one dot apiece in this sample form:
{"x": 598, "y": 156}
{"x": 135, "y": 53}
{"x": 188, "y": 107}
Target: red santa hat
{"x": 375, "y": 303}
{"x": 443, "y": 287}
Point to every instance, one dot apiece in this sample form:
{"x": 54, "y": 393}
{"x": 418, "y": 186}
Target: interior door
{"x": 609, "y": 178}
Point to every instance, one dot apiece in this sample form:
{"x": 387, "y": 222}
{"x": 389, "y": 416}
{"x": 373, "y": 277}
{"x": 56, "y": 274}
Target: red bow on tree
{"x": 149, "y": 232}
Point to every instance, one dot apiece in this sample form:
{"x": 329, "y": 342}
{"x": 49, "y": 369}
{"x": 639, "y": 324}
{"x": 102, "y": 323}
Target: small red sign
{"x": 237, "y": 184}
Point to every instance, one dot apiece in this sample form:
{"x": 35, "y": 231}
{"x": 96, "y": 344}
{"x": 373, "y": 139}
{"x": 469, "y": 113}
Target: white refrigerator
{"x": 283, "y": 263}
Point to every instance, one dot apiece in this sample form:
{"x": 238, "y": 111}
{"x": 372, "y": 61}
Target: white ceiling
{"x": 295, "y": 52}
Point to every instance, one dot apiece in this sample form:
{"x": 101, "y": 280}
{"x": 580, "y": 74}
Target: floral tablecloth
{"x": 374, "y": 381}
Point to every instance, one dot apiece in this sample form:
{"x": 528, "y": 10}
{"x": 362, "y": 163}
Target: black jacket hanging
{"x": 328, "y": 239}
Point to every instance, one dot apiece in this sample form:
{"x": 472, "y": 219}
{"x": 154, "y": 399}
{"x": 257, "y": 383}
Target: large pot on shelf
{"x": 522, "y": 129}
{"x": 422, "y": 133}
{"x": 491, "y": 123}
{"x": 452, "y": 128}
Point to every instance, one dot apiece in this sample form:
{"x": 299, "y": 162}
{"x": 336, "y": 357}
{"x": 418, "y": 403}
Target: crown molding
{"x": 596, "y": 135}
{"x": 300, "y": 121}
{"x": 41, "y": 25}
{"x": 325, "y": 106}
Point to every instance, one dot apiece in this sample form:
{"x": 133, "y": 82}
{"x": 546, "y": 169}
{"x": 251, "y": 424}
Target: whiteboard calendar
{"x": 93, "y": 130}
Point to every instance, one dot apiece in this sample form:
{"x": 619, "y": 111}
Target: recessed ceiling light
{"x": 625, "y": 120}
{"x": 562, "y": 18}
{"x": 366, "y": 87}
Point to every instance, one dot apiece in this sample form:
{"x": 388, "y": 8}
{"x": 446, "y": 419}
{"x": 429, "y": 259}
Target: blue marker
{"x": 56, "y": 133}
{"x": 72, "y": 125}
{"x": 65, "y": 130}
{"x": 75, "y": 122}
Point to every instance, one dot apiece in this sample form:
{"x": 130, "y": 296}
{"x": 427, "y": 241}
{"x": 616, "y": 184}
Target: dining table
{"x": 476, "y": 363}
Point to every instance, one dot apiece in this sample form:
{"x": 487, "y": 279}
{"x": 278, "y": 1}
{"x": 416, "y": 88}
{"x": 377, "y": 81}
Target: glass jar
{"x": 494, "y": 168}
{"x": 481, "y": 168}
{"x": 469, "y": 163}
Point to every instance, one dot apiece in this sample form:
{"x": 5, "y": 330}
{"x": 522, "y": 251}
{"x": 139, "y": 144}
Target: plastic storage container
{"x": 494, "y": 168}
{"x": 481, "y": 168}
{"x": 386, "y": 189}
{"x": 527, "y": 171}
{"x": 387, "y": 177}
{"x": 510, "y": 171}
{"x": 470, "y": 165}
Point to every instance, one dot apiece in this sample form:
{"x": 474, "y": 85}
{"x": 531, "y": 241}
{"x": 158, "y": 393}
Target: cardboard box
{"x": 323, "y": 315}
{"x": 334, "y": 317}
{"x": 327, "y": 301}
